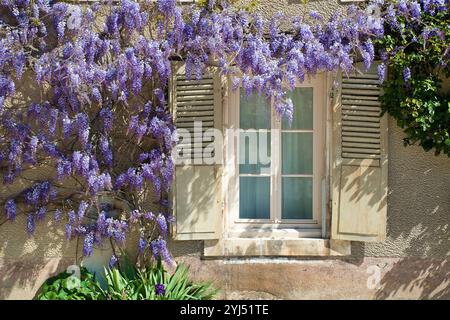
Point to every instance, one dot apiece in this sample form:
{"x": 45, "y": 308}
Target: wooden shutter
{"x": 197, "y": 191}
{"x": 359, "y": 175}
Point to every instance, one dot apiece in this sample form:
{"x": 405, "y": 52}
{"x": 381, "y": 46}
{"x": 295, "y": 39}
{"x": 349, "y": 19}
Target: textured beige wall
{"x": 408, "y": 278}
{"x": 297, "y": 7}
{"x": 418, "y": 203}
{"x": 414, "y": 260}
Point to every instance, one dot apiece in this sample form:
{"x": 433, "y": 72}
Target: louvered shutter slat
{"x": 349, "y": 133}
{"x": 195, "y": 115}
{"x": 362, "y": 75}
{"x": 360, "y": 84}
{"x": 351, "y": 112}
{"x": 188, "y": 104}
{"x": 356, "y": 92}
{"x": 361, "y": 139}
{"x": 362, "y": 81}
{"x": 360, "y": 124}
{"x": 185, "y": 98}
{"x": 356, "y": 117}
{"x": 361, "y": 129}
{"x": 361, "y": 99}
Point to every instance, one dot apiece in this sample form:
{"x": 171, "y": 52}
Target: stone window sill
{"x": 256, "y": 247}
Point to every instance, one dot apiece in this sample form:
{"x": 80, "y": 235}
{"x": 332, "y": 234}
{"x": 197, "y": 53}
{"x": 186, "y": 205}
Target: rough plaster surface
{"x": 414, "y": 261}
{"x": 268, "y": 8}
{"x": 410, "y": 278}
{"x": 418, "y": 203}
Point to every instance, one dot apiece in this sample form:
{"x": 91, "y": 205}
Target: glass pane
{"x": 297, "y": 152}
{"x": 302, "y": 98}
{"x": 297, "y": 198}
{"x": 254, "y": 197}
{"x": 254, "y": 152}
{"x": 255, "y": 112}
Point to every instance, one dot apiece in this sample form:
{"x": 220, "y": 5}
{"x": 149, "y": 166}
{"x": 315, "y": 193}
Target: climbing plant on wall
{"x": 83, "y": 93}
{"x": 416, "y": 49}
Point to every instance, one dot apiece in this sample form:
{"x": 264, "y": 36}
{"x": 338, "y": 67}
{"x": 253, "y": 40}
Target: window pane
{"x": 254, "y": 197}
{"x": 297, "y": 198}
{"x": 255, "y": 112}
{"x": 254, "y": 152}
{"x": 302, "y": 98}
{"x": 297, "y": 152}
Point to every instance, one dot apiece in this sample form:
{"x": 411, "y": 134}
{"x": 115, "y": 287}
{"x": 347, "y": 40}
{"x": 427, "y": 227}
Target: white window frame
{"x": 275, "y": 227}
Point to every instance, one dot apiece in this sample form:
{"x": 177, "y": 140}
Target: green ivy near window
{"x": 417, "y": 56}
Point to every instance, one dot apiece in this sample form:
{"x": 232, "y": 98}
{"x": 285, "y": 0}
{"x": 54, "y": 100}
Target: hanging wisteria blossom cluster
{"x": 101, "y": 117}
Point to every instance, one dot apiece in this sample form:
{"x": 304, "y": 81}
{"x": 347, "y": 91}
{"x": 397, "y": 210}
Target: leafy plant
{"x": 66, "y": 286}
{"x": 154, "y": 283}
{"x": 416, "y": 50}
{"x": 128, "y": 282}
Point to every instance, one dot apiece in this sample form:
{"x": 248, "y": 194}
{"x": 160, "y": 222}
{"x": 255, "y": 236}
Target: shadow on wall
{"x": 26, "y": 262}
{"x": 418, "y": 223}
{"x": 428, "y": 278}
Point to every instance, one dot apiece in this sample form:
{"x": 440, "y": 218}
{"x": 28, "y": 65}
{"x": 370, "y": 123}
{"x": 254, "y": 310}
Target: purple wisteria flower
{"x": 57, "y": 216}
{"x": 68, "y": 231}
{"x": 406, "y": 74}
{"x": 40, "y": 213}
{"x": 10, "y": 209}
{"x": 381, "y": 69}
{"x": 142, "y": 244}
{"x": 162, "y": 224}
{"x": 402, "y": 6}
{"x": 82, "y": 209}
{"x": 113, "y": 261}
{"x": 415, "y": 9}
{"x": 88, "y": 244}
{"x": 106, "y": 151}
{"x": 160, "y": 289}
{"x": 31, "y": 224}
{"x": 106, "y": 117}
{"x": 159, "y": 250}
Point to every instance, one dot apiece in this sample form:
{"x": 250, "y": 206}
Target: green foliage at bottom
{"x": 129, "y": 282}
{"x": 66, "y": 286}
{"x": 132, "y": 283}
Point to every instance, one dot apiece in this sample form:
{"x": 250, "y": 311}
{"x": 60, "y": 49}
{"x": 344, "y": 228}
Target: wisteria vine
{"x": 100, "y": 117}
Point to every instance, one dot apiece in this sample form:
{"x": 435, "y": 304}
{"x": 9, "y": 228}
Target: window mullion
{"x": 275, "y": 212}
{"x": 279, "y": 162}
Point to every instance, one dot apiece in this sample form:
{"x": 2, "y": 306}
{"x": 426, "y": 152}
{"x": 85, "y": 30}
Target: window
{"x": 278, "y": 167}
{"x": 323, "y": 177}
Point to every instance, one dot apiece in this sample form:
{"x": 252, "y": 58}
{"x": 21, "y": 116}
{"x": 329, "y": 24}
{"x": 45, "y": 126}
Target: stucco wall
{"x": 268, "y": 8}
{"x": 413, "y": 261}
{"x": 418, "y": 203}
